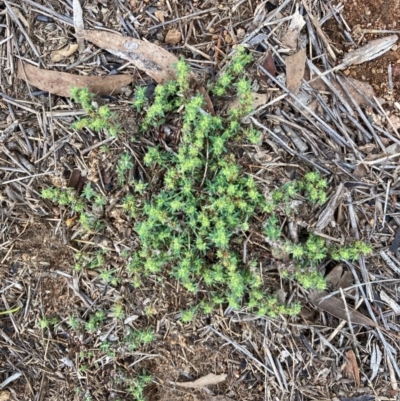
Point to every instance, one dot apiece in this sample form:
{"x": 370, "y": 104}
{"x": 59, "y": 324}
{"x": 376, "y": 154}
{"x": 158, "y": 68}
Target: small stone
{"x": 211, "y": 30}
{"x": 346, "y": 72}
{"x": 394, "y": 48}
{"x": 240, "y": 33}
{"x": 228, "y": 39}
{"x": 173, "y": 37}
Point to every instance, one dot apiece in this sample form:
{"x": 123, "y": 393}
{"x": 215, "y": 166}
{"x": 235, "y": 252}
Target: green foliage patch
{"x": 307, "y": 256}
{"x": 99, "y": 117}
{"x": 192, "y": 226}
{"x": 192, "y": 222}
{"x": 205, "y": 203}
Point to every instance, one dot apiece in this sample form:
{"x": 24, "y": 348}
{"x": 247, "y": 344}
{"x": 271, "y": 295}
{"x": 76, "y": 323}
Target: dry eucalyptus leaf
{"x": 66, "y": 51}
{"x": 292, "y": 33}
{"x": 336, "y": 307}
{"x": 347, "y": 280}
{"x": 260, "y": 13}
{"x": 209, "y": 104}
{"x": 361, "y": 171}
{"x": 208, "y": 380}
{"x": 391, "y": 302}
{"x": 370, "y": 51}
{"x": 60, "y": 83}
{"x": 338, "y": 277}
{"x": 148, "y": 57}
{"x": 351, "y": 367}
{"x": 160, "y": 15}
{"x": 173, "y": 37}
{"x": 268, "y": 63}
{"x": 334, "y": 275}
{"x": 376, "y": 359}
{"x": 365, "y": 88}
{"x": 295, "y": 67}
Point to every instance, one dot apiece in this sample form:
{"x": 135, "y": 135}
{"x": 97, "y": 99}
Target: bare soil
{"x": 370, "y": 15}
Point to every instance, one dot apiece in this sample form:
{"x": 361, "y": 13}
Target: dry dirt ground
{"x": 371, "y": 20}
{"x": 314, "y": 356}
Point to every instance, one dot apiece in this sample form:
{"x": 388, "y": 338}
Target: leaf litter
{"x": 60, "y": 83}
{"x": 208, "y": 380}
{"x": 152, "y": 59}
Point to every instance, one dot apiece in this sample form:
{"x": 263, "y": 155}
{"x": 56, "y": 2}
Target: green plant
{"x": 136, "y": 386}
{"x": 99, "y": 117}
{"x": 236, "y": 68}
{"x": 314, "y": 187}
{"x": 95, "y": 321}
{"x": 108, "y": 277}
{"x": 306, "y": 256}
{"x": 46, "y": 323}
{"x": 124, "y": 164}
{"x": 205, "y": 200}
{"x": 139, "y": 99}
{"x": 190, "y": 222}
{"x": 118, "y": 310}
{"x": 188, "y": 315}
{"x": 68, "y": 198}
{"x": 73, "y": 322}
{"x": 136, "y": 338}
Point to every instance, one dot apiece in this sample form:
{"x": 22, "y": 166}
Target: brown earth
{"x": 379, "y": 15}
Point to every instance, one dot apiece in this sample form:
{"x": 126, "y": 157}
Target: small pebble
{"x": 240, "y": 33}
{"x": 228, "y": 39}
{"x": 346, "y": 72}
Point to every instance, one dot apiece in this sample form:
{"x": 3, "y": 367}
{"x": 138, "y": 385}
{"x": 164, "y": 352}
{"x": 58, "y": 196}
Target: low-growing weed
{"x": 191, "y": 220}
{"x": 192, "y": 224}
{"x": 307, "y": 256}
{"x": 99, "y": 117}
